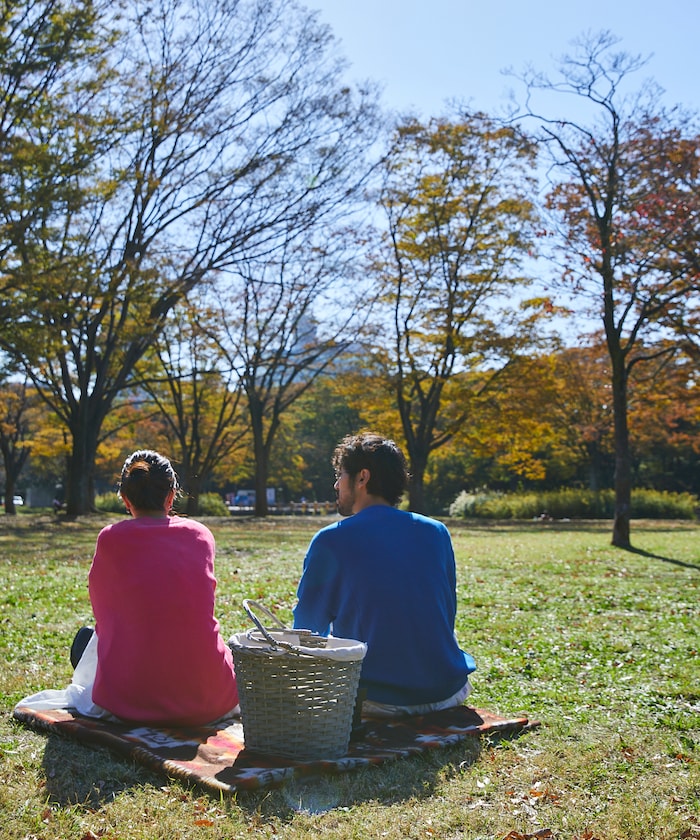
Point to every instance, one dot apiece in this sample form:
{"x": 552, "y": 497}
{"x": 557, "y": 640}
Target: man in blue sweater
{"x": 386, "y": 577}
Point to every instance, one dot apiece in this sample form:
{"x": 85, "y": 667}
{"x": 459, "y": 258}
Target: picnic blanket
{"x": 215, "y": 757}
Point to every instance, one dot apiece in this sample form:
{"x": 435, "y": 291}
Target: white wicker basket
{"x": 297, "y": 690}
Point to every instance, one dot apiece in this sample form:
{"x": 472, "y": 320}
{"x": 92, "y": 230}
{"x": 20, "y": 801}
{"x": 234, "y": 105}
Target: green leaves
{"x": 459, "y": 221}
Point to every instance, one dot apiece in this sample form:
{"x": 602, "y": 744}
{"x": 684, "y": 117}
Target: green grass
{"x": 599, "y": 644}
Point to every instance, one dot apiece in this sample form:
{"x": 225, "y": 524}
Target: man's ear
{"x": 362, "y": 477}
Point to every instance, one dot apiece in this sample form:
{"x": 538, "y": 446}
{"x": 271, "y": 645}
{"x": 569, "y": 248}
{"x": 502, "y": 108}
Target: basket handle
{"x": 248, "y": 603}
{"x": 306, "y": 637}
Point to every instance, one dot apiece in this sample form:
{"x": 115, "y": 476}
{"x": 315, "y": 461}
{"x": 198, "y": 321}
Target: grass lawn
{"x": 599, "y": 644}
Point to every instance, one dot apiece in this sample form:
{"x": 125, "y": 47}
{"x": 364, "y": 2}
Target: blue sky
{"x": 427, "y": 51}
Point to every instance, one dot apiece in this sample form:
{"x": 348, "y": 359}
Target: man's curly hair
{"x": 386, "y": 463}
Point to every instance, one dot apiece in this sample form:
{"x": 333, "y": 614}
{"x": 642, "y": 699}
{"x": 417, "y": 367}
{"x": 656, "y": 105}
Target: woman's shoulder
{"x": 191, "y": 526}
{"x": 135, "y": 525}
{"x": 177, "y": 521}
{"x": 114, "y": 528}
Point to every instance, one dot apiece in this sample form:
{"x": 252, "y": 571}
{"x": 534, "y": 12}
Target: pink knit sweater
{"x": 161, "y": 658}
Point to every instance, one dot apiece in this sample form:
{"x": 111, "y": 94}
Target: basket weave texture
{"x": 295, "y": 705}
{"x": 297, "y": 690}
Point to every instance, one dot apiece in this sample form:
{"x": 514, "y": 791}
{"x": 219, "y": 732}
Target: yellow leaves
{"x": 524, "y": 464}
{"x": 456, "y": 183}
{"x": 50, "y": 438}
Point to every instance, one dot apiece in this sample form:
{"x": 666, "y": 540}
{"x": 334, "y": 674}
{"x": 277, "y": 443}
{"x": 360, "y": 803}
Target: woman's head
{"x": 147, "y": 481}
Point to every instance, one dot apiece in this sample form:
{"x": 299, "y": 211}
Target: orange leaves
{"x": 526, "y": 805}
{"x": 628, "y": 754}
{"x": 544, "y": 795}
{"x": 543, "y": 833}
{"x": 206, "y": 814}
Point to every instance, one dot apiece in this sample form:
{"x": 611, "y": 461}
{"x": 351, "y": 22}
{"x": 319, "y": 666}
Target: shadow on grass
{"x": 92, "y": 777}
{"x": 398, "y": 780}
{"x": 89, "y": 776}
{"x": 652, "y": 556}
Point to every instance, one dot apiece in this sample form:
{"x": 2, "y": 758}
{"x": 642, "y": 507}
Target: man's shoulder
{"x": 408, "y": 518}
{"x": 337, "y": 534}
{"x": 378, "y": 516}
{"x": 329, "y": 531}
{"x": 427, "y": 521}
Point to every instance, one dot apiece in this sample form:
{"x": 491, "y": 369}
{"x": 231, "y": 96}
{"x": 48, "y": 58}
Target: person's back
{"x": 160, "y": 656}
{"x": 387, "y": 578}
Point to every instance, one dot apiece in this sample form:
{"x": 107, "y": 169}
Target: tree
{"x": 197, "y": 398}
{"x": 316, "y": 423}
{"x": 48, "y": 49}
{"x": 457, "y": 200}
{"x": 625, "y": 193}
{"x": 196, "y": 150}
{"x": 665, "y": 420}
{"x": 547, "y": 425}
{"x": 287, "y": 319}
{"x": 15, "y": 435}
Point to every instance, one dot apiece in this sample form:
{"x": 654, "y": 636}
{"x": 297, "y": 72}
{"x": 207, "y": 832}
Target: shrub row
{"x": 571, "y": 504}
{"x": 210, "y": 504}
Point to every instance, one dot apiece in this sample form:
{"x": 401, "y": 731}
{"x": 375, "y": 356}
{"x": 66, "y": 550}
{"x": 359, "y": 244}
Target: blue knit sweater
{"x": 387, "y": 578}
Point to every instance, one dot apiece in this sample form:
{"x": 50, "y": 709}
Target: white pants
{"x": 386, "y": 710}
{"x": 78, "y": 695}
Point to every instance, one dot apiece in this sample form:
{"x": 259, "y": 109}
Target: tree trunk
{"x": 261, "y": 475}
{"x": 262, "y": 446}
{"x": 416, "y": 495}
{"x": 13, "y": 460}
{"x": 10, "y": 508}
{"x": 416, "y": 487}
{"x": 623, "y": 465}
{"x": 261, "y": 453}
{"x": 80, "y": 486}
{"x": 194, "y": 491}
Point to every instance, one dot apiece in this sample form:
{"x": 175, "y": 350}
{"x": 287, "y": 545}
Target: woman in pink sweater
{"x": 160, "y": 656}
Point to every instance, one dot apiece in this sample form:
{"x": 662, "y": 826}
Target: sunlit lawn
{"x": 600, "y": 645}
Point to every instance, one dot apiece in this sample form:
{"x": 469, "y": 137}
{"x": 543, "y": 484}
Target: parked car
{"x": 18, "y": 500}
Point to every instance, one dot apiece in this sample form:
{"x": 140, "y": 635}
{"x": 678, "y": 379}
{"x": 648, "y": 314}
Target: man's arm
{"x": 316, "y": 593}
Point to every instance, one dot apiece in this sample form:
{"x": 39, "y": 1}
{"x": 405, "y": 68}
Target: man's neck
{"x": 368, "y": 500}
